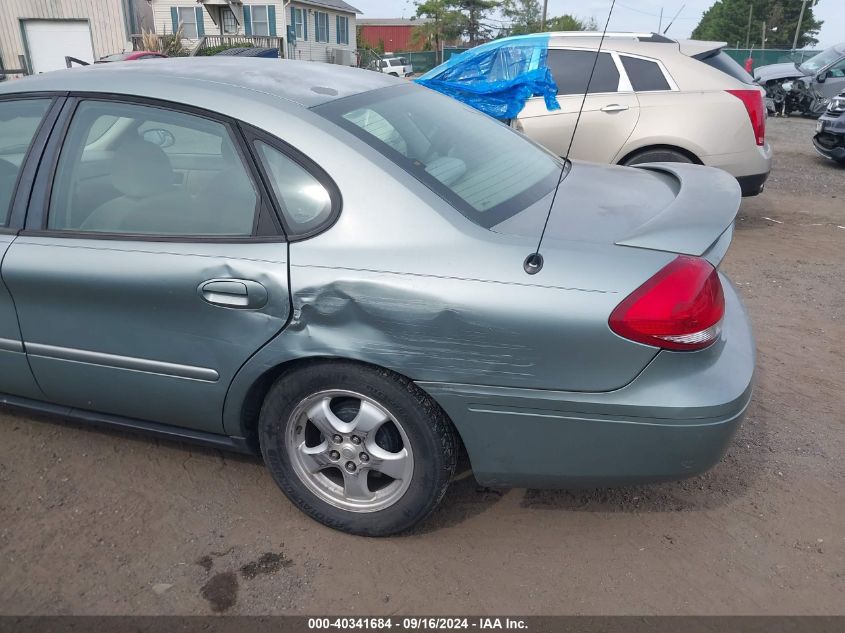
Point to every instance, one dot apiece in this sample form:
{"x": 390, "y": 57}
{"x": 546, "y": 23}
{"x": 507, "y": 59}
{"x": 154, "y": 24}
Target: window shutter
{"x": 337, "y": 28}
{"x": 304, "y": 24}
{"x": 271, "y": 18}
{"x": 174, "y": 18}
{"x": 200, "y": 22}
{"x": 247, "y": 20}
{"x": 316, "y": 26}
{"x": 293, "y": 20}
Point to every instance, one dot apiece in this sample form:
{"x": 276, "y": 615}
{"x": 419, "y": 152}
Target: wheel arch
{"x": 249, "y": 409}
{"x": 658, "y": 147}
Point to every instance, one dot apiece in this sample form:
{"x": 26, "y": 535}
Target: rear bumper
{"x": 752, "y": 185}
{"x": 750, "y": 167}
{"x": 674, "y": 420}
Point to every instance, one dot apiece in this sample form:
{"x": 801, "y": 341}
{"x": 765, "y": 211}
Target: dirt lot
{"x": 101, "y": 522}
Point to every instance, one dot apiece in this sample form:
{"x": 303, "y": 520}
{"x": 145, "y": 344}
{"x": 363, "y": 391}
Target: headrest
{"x": 141, "y": 169}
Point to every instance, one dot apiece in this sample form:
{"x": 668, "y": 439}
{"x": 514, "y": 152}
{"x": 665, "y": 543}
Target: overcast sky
{"x": 632, "y": 15}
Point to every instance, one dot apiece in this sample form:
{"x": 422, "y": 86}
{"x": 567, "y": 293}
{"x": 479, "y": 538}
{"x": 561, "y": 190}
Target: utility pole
{"x": 763, "y": 43}
{"x": 543, "y": 17}
{"x": 660, "y": 23}
{"x": 798, "y": 28}
{"x": 748, "y": 31}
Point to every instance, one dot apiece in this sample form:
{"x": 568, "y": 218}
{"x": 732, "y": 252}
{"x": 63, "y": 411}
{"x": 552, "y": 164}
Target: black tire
{"x": 430, "y": 433}
{"x": 657, "y": 156}
{"x": 394, "y": 75}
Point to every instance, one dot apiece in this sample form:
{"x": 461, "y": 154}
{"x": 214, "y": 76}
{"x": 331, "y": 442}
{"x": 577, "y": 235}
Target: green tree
{"x": 445, "y": 23}
{"x": 568, "y": 22}
{"x": 524, "y": 16}
{"x": 474, "y": 13}
{"x": 727, "y": 21}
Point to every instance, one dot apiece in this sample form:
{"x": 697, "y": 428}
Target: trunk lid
{"x": 672, "y": 207}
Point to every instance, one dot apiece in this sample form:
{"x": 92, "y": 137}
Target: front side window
{"x": 645, "y": 75}
{"x": 321, "y": 21}
{"x": 837, "y": 71}
{"x": 142, "y": 170}
{"x": 19, "y": 121}
{"x": 484, "y": 169}
{"x": 571, "y": 71}
{"x": 305, "y": 201}
{"x": 188, "y": 20}
{"x": 342, "y": 29}
{"x": 260, "y": 20}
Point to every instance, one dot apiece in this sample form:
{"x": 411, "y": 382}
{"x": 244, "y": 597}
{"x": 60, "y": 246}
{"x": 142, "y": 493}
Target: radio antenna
{"x": 534, "y": 262}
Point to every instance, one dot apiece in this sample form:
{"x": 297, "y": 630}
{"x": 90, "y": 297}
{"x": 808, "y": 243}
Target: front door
{"x": 834, "y": 82}
{"x": 609, "y": 114}
{"x": 153, "y": 271}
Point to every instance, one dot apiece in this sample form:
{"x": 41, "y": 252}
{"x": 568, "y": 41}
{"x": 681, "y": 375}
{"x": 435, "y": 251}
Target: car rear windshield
{"x": 486, "y": 170}
{"x": 724, "y": 62}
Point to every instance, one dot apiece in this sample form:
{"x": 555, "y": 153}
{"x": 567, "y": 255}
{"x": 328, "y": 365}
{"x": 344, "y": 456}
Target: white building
{"x": 36, "y": 35}
{"x": 319, "y": 27}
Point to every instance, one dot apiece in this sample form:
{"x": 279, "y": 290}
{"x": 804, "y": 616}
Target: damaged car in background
{"x": 829, "y": 140}
{"x": 804, "y": 88}
{"x": 209, "y": 261}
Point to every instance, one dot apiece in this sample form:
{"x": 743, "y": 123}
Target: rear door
{"x": 610, "y": 111}
{"x": 145, "y": 279}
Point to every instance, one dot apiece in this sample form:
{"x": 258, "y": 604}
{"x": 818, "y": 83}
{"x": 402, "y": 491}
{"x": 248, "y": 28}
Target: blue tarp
{"x": 498, "y": 77}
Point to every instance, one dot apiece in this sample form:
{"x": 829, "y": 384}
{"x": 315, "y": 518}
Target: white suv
{"x": 653, "y": 99}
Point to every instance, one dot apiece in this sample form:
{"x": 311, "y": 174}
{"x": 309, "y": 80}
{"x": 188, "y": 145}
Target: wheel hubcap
{"x": 349, "y": 451}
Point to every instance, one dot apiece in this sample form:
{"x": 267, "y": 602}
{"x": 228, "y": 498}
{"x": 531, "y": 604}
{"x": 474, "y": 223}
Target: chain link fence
{"x": 770, "y": 55}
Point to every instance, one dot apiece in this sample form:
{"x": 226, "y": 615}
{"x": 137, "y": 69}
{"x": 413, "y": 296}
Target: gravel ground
{"x": 98, "y": 522}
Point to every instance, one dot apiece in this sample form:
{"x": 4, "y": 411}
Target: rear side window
{"x": 724, "y": 62}
{"x": 571, "y": 71}
{"x": 19, "y": 121}
{"x": 143, "y": 170}
{"x": 645, "y": 75}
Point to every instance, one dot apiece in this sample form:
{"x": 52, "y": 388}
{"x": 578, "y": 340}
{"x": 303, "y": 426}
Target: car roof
{"x": 304, "y": 83}
{"x": 652, "y": 44}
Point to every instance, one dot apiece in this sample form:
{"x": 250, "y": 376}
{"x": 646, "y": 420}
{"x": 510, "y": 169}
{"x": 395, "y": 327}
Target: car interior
{"x": 144, "y": 170}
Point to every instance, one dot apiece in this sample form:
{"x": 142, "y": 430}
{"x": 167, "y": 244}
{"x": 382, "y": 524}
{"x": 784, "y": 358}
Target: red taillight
{"x": 753, "y": 102}
{"x": 681, "y": 307}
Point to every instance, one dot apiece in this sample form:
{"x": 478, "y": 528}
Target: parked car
{"x": 651, "y": 99}
{"x": 396, "y": 66}
{"x": 200, "y": 260}
{"x": 829, "y": 140}
{"x": 130, "y": 56}
{"x": 806, "y": 87}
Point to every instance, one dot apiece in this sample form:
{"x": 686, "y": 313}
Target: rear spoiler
{"x": 704, "y": 209}
{"x": 700, "y": 49}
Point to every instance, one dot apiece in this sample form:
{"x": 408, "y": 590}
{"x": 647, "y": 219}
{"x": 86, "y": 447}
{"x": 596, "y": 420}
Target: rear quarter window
{"x": 645, "y": 75}
{"x": 724, "y": 62}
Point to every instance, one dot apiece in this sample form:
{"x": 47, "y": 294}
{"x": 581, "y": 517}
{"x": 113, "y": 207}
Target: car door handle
{"x": 614, "y": 107}
{"x": 234, "y": 293}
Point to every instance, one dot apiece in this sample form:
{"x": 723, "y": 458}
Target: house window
{"x": 188, "y": 20}
{"x": 260, "y": 20}
{"x": 321, "y": 21}
{"x": 342, "y": 29}
{"x": 300, "y": 23}
{"x": 230, "y": 25}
